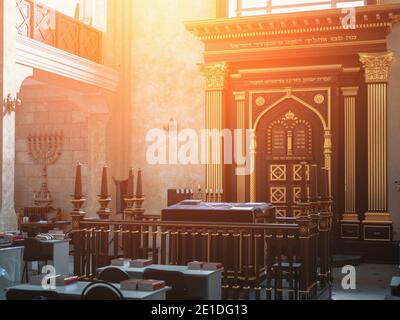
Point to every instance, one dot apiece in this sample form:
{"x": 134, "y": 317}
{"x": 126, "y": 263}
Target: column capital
{"x": 349, "y": 91}
{"x": 377, "y": 66}
{"x": 216, "y": 75}
{"x": 239, "y": 95}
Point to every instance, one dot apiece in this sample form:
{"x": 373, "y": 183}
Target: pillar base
{"x": 377, "y": 226}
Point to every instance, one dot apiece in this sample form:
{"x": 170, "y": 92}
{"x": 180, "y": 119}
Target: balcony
{"x": 44, "y": 24}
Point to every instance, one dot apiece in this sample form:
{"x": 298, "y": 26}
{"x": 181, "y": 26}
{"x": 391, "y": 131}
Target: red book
{"x": 141, "y": 263}
{"x": 150, "y": 285}
{"x": 66, "y": 280}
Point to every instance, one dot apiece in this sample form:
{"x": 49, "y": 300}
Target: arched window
{"x": 258, "y": 7}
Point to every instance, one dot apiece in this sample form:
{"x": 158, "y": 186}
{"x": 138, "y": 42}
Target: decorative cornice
{"x": 37, "y": 55}
{"x": 377, "y": 66}
{"x": 216, "y": 75}
{"x": 368, "y": 17}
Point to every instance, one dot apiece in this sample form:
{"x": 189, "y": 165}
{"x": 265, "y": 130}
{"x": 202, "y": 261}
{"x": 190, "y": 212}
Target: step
{"x": 341, "y": 260}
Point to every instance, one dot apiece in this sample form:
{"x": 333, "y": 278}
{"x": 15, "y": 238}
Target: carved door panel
{"x": 283, "y": 187}
{"x": 289, "y": 141}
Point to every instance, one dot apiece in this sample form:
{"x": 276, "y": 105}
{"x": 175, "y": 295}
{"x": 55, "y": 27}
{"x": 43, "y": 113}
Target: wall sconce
{"x": 10, "y": 104}
{"x": 398, "y": 185}
{"x": 171, "y": 126}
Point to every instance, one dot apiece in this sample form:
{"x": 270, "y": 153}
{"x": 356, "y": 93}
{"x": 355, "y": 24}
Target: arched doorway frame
{"x": 290, "y": 94}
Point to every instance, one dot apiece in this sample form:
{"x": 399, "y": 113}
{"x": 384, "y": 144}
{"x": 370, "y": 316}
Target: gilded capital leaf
{"x": 377, "y": 66}
{"x": 216, "y": 75}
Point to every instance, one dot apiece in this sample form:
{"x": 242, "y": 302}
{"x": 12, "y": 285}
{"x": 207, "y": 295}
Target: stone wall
{"x": 167, "y": 84}
{"x": 49, "y": 109}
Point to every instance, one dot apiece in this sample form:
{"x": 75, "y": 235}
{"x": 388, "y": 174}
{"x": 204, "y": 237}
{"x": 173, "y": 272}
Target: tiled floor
{"x": 372, "y": 282}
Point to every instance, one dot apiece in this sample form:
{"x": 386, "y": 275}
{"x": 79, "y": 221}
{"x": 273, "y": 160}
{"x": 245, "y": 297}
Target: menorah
{"x": 45, "y": 149}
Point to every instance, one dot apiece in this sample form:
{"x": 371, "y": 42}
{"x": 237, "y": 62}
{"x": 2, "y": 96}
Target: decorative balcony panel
{"x": 24, "y": 18}
{"x": 53, "y": 28}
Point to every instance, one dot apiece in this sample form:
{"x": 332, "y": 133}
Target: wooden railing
{"x": 264, "y": 261}
{"x": 53, "y": 28}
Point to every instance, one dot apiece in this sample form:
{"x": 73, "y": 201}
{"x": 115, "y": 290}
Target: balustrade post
{"x": 325, "y": 227}
{"x": 77, "y": 215}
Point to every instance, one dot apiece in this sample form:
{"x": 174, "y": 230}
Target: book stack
{"x": 141, "y": 263}
{"x": 142, "y": 285}
{"x": 207, "y": 266}
{"x": 129, "y": 285}
{"x": 44, "y": 237}
{"x": 195, "y": 265}
{"x": 150, "y": 285}
{"x": 60, "y": 280}
{"x": 120, "y": 262}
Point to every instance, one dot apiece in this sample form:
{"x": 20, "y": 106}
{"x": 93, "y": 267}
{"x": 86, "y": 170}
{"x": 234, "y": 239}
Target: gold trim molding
{"x": 377, "y": 66}
{"x": 216, "y": 75}
{"x": 350, "y": 91}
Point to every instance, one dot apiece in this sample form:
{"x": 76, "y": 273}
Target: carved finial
{"x": 139, "y": 187}
{"x": 131, "y": 180}
{"x": 78, "y": 182}
{"x": 104, "y": 184}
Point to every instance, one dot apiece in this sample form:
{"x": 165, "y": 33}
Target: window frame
{"x": 269, "y": 8}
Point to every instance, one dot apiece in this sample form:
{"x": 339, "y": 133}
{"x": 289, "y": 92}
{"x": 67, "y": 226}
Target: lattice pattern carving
{"x": 45, "y": 25}
{"x": 90, "y": 44}
{"x": 278, "y": 172}
{"x": 68, "y": 35}
{"x": 297, "y": 172}
{"x": 296, "y": 194}
{"x": 281, "y": 212}
{"x": 297, "y": 212}
{"x": 278, "y": 195}
{"x": 24, "y": 9}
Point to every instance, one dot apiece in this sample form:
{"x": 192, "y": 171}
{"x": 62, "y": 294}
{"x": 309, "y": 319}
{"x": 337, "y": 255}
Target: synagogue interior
{"x": 200, "y": 150}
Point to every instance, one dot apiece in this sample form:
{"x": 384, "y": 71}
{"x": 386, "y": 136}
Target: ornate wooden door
{"x": 290, "y": 137}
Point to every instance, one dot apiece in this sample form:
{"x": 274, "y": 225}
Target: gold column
{"x": 349, "y": 96}
{"x": 240, "y": 99}
{"x": 377, "y": 67}
{"x": 216, "y": 79}
{"x": 253, "y": 177}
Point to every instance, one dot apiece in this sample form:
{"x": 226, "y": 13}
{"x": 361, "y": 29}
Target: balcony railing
{"x": 53, "y": 28}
